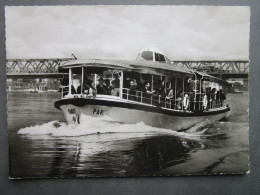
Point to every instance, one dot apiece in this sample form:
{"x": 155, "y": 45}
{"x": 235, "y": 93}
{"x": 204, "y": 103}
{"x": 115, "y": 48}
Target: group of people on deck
{"x": 164, "y": 95}
{"x": 103, "y": 87}
{"x": 108, "y": 87}
{"x": 160, "y": 93}
{"x": 213, "y": 98}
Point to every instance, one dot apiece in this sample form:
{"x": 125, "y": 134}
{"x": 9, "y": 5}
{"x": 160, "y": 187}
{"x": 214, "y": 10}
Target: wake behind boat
{"x": 149, "y": 89}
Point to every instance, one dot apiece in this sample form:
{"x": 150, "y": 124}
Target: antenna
{"x": 74, "y": 56}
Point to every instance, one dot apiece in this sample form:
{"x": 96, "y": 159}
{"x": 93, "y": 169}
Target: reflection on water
{"x": 39, "y": 148}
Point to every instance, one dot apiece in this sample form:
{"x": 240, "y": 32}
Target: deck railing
{"x": 177, "y": 103}
{"x": 171, "y": 103}
{"x": 64, "y": 91}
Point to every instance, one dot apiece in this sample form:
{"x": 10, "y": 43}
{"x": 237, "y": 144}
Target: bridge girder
{"x": 34, "y": 66}
{"x": 217, "y": 67}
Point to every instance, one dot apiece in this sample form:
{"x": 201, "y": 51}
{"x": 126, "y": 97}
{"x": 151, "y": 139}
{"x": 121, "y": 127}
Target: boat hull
{"x": 131, "y": 112}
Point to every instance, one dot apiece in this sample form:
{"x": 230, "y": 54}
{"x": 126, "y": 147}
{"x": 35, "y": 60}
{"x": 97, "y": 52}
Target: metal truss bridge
{"x": 48, "y": 68}
{"x": 34, "y": 68}
{"x": 223, "y": 69}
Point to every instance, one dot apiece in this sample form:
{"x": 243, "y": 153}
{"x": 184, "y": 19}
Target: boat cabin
{"x": 153, "y": 55}
{"x": 151, "y": 79}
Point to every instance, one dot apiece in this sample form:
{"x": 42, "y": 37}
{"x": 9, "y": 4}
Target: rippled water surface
{"x": 42, "y": 145}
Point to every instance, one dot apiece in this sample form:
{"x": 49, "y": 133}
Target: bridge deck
{"x": 48, "y": 68}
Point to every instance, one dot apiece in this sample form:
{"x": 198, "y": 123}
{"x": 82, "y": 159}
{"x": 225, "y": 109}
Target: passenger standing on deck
{"x": 132, "y": 91}
{"x": 88, "y": 87}
{"x": 205, "y": 102}
{"x": 101, "y": 89}
{"x": 186, "y": 102}
{"x": 208, "y": 90}
{"x": 90, "y": 90}
{"x": 178, "y": 98}
{"x": 147, "y": 93}
{"x": 161, "y": 90}
{"x": 73, "y": 91}
{"x": 107, "y": 82}
{"x": 212, "y": 98}
{"x": 161, "y": 94}
{"x": 116, "y": 81}
{"x": 113, "y": 89}
{"x": 222, "y": 97}
{"x": 169, "y": 95}
{"x": 217, "y": 99}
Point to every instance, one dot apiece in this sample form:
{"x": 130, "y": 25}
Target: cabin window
{"x": 147, "y": 55}
{"x": 76, "y": 84}
{"x": 107, "y": 82}
{"x": 167, "y": 60}
{"x": 75, "y": 81}
{"x": 72, "y": 85}
{"x": 159, "y": 57}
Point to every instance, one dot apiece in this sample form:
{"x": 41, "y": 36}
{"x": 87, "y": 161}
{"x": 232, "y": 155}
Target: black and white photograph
{"x": 127, "y": 90}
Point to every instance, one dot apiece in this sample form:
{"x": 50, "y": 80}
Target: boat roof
{"x": 141, "y": 66}
{"x": 208, "y": 77}
{"x": 147, "y": 67}
{"x": 134, "y": 65}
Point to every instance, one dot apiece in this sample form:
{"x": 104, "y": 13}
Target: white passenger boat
{"x": 149, "y": 89}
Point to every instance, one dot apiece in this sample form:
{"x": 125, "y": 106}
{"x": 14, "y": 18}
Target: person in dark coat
{"x": 222, "y": 97}
{"x": 161, "y": 90}
{"x": 101, "y": 89}
{"x": 218, "y": 99}
{"x": 107, "y": 87}
{"x": 73, "y": 91}
{"x": 113, "y": 90}
{"x": 212, "y": 98}
{"x": 147, "y": 93}
{"x": 132, "y": 91}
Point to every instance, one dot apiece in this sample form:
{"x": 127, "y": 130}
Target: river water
{"x": 42, "y": 145}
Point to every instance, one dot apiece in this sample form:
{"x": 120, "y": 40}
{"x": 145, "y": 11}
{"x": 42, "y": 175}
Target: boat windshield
{"x": 159, "y": 58}
{"x": 147, "y": 55}
{"x": 150, "y": 55}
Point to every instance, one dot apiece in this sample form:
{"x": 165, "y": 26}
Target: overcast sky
{"x": 121, "y": 32}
